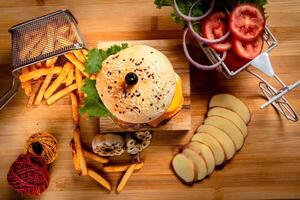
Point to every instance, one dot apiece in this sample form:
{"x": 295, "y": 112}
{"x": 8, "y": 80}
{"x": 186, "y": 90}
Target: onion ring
{"x": 202, "y": 39}
{"x": 193, "y": 62}
{"x": 189, "y": 17}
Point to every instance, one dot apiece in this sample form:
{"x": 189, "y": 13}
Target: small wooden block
{"x": 172, "y": 48}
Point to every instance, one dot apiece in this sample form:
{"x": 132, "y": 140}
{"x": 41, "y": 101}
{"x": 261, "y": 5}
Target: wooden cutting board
{"x": 172, "y": 48}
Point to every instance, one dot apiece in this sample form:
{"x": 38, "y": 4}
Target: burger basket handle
{"x": 262, "y": 62}
{"x": 10, "y": 93}
{"x": 276, "y": 97}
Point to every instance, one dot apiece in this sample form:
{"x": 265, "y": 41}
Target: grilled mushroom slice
{"x": 108, "y": 144}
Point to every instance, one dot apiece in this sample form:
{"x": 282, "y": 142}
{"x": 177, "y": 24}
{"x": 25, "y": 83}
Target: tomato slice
{"x": 247, "y": 22}
{"x": 248, "y": 50}
{"x": 214, "y": 27}
{"x": 233, "y": 61}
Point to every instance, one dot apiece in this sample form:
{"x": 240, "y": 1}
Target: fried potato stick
{"x": 97, "y": 177}
{"x": 76, "y": 163}
{"x": 79, "y": 82}
{"x": 85, "y": 53}
{"x": 34, "y": 91}
{"x": 39, "y": 72}
{"x": 43, "y": 88}
{"x": 78, "y": 147}
{"x": 70, "y": 76}
{"x": 27, "y": 84}
{"x": 61, "y": 93}
{"x": 58, "y": 81}
{"x": 74, "y": 103}
{"x": 78, "y": 54}
{"x": 121, "y": 168}
{"x": 24, "y": 52}
{"x": 50, "y": 62}
{"x": 125, "y": 177}
{"x": 39, "y": 65}
{"x": 76, "y": 62}
{"x": 92, "y": 156}
{"x": 50, "y": 30}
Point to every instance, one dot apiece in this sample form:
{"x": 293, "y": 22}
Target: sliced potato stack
{"x": 216, "y": 141}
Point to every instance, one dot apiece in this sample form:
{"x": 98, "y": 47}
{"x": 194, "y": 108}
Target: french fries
{"x": 34, "y": 91}
{"x": 25, "y": 52}
{"x": 125, "y": 177}
{"x": 50, "y": 30}
{"x": 76, "y": 163}
{"x": 61, "y": 93}
{"x": 58, "y": 81}
{"x": 85, "y": 53}
{"x": 74, "y": 103}
{"x": 50, "y": 62}
{"x": 33, "y": 68}
{"x": 27, "y": 84}
{"x": 78, "y": 54}
{"x": 70, "y": 76}
{"x": 71, "y": 57}
{"x": 39, "y": 65}
{"x": 43, "y": 88}
{"x": 99, "y": 179}
{"x": 39, "y": 73}
{"x": 79, "y": 82}
{"x": 121, "y": 168}
{"x": 79, "y": 151}
{"x": 92, "y": 156}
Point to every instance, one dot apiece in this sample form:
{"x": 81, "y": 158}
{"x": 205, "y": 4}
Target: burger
{"x": 138, "y": 86}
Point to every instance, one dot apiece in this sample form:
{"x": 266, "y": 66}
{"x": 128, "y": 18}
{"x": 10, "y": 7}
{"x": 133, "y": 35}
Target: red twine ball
{"x": 28, "y": 175}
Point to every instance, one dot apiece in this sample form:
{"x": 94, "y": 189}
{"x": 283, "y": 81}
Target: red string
{"x": 28, "y": 175}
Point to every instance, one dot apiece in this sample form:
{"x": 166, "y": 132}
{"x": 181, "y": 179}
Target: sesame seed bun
{"x": 144, "y": 101}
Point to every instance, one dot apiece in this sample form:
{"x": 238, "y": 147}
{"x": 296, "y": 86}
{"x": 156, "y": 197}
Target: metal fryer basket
{"x": 39, "y": 39}
{"x": 213, "y": 56}
{"x": 273, "y": 96}
{"x": 44, "y": 37}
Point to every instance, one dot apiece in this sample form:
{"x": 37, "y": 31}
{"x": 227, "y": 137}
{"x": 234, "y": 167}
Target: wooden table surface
{"x": 268, "y": 166}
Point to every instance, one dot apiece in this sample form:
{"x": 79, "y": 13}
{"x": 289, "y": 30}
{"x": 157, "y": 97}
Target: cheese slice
{"x": 174, "y": 107}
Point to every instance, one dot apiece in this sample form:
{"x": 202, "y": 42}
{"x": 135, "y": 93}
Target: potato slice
{"x": 206, "y": 153}
{"x": 227, "y": 127}
{"x": 213, "y": 144}
{"x": 199, "y": 162}
{"x": 230, "y": 115}
{"x": 232, "y": 103}
{"x": 184, "y": 169}
{"x": 223, "y": 138}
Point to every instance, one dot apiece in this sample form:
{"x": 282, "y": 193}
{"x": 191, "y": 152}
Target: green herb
{"x": 199, "y": 9}
{"x": 93, "y": 105}
{"x": 97, "y": 56}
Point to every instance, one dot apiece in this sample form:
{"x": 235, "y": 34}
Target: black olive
{"x": 37, "y": 148}
{"x": 131, "y": 78}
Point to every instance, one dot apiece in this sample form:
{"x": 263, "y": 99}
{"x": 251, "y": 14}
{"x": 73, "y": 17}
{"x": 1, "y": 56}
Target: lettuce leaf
{"x": 93, "y": 105}
{"x": 97, "y": 56}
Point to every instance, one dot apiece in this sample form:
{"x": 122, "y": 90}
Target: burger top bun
{"x": 137, "y": 84}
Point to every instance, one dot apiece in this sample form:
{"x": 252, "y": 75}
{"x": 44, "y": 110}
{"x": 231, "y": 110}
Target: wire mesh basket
{"x": 261, "y": 62}
{"x": 40, "y": 39}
